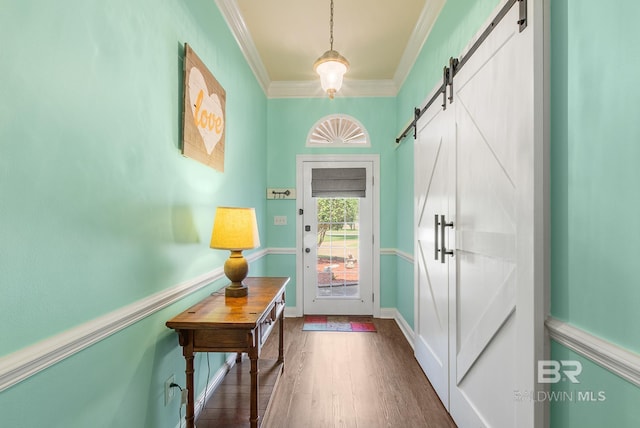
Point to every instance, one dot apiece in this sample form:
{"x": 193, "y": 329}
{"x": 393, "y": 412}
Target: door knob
{"x": 307, "y": 250}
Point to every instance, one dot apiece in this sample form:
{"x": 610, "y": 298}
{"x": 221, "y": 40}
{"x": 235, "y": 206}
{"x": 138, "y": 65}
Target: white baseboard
{"x": 385, "y": 313}
{"x": 217, "y": 379}
{"x": 617, "y": 360}
{"x": 388, "y": 313}
{"x": 394, "y": 314}
{"x": 406, "y": 329}
{"x": 292, "y": 312}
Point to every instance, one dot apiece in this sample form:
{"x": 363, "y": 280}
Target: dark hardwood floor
{"x": 337, "y": 379}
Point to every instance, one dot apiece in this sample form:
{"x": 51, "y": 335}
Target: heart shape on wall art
{"x": 207, "y": 110}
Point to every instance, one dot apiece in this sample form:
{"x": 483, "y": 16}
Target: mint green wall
{"x": 99, "y": 208}
{"x": 594, "y": 194}
{"x": 595, "y": 173}
{"x": 599, "y": 400}
{"x": 283, "y": 265}
{"x": 457, "y": 23}
{"x": 404, "y": 294}
{"x": 404, "y": 270}
{"x": 289, "y": 123}
{"x": 388, "y": 275}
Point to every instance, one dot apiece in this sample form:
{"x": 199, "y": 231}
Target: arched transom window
{"x": 338, "y": 130}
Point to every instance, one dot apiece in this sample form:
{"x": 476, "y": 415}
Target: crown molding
{"x": 368, "y": 88}
{"x": 311, "y": 89}
{"x": 231, "y": 14}
{"x": 417, "y": 39}
{"x": 350, "y": 88}
{"x": 296, "y": 89}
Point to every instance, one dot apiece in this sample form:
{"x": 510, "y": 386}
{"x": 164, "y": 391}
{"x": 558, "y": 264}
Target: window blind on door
{"x": 338, "y": 182}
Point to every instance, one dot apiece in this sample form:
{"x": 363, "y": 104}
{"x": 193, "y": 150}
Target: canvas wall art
{"x": 203, "y": 114}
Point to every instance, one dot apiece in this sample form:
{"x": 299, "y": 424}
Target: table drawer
{"x": 265, "y": 325}
{"x": 230, "y": 340}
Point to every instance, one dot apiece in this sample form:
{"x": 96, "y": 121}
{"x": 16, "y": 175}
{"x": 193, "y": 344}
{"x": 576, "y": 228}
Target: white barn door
{"x": 494, "y": 107}
{"x": 494, "y": 282}
{"x": 434, "y": 154}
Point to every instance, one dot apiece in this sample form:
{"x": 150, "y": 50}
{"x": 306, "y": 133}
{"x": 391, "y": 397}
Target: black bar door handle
{"x": 436, "y": 223}
{"x": 443, "y": 250}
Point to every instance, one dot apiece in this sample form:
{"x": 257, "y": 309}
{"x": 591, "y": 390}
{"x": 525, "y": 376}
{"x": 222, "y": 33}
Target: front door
{"x": 337, "y": 238}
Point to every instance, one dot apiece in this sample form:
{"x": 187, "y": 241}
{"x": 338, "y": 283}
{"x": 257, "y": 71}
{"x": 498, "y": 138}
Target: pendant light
{"x": 331, "y": 66}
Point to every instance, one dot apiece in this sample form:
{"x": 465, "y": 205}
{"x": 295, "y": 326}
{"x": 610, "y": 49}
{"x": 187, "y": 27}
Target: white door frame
{"x": 375, "y": 160}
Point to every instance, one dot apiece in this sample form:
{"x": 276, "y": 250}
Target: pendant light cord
{"x": 331, "y": 27}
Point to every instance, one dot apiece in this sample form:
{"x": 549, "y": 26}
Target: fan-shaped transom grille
{"x": 338, "y": 130}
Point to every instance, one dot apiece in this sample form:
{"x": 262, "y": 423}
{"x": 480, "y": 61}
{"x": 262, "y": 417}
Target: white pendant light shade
{"x": 331, "y": 67}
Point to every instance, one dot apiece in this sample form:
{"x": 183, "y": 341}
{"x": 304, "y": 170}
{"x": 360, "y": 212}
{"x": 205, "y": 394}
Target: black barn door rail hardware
{"x": 456, "y": 65}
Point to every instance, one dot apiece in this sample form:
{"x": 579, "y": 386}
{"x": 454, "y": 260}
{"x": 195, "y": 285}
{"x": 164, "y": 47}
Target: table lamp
{"x": 235, "y": 229}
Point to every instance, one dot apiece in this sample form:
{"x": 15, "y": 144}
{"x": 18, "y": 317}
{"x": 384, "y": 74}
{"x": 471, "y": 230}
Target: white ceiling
{"x": 281, "y": 39}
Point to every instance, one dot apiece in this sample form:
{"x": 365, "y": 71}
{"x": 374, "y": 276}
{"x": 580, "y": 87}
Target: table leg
{"x": 254, "y": 389}
{"x": 281, "y": 340}
{"x": 190, "y": 404}
{"x": 186, "y": 341}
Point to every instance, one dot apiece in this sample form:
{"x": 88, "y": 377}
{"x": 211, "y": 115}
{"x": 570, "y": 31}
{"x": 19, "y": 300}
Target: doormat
{"x": 338, "y": 323}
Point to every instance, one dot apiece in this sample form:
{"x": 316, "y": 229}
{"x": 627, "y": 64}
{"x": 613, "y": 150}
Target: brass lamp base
{"x": 236, "y": 290}
{"x": 236, "y": 269}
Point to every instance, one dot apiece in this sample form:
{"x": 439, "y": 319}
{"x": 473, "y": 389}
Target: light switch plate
{"x": 280, "y": 220}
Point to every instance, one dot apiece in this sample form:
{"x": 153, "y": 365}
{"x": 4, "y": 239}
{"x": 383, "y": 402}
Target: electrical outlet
{"x": 183, "y": 396}
{"x": 168, "y": 391}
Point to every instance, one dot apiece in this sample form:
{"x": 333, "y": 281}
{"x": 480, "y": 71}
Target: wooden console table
{"x": 232, "y": 324}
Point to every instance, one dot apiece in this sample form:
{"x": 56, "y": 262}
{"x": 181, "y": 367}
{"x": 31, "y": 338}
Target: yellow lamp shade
{"x": 235, "y": 229}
